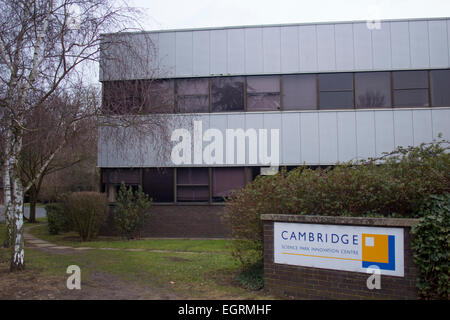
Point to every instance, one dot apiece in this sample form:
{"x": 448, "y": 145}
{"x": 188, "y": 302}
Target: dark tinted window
{"x": 263, "y": 93}
{"x": 159, "y": 184}
{"x": 440, "y": 88}
{"x": 411, "y": 98}
{"x": 336, "y": 90}
{"x": 224, "y": 180}
{"x": 123, "y": 97}
{"x": 192, "y": 184}
{"x": 410, "y": 79}
{"x": 159, "y": 96}
{"x": 410, "y": 88}
{"x": 373, "y": 89}
{"x": 193, "y": 95}
{"x": 227, "y": 94}
{"x": 118, "y": 176}
{"x": 299, "y": 92}
{"x": 335, "y": 81}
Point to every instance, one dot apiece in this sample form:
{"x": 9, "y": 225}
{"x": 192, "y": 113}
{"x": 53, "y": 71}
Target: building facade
{"x": 230, "y": 102}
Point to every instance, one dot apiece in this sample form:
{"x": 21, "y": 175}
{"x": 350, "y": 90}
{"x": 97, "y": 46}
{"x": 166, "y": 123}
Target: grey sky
{"x": 179, "y": 14}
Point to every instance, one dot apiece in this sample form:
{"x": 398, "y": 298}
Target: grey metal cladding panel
{"x": 422, "y": 126}
{"x": 167, "y": 54}
{"x": 346, "y": 125}
{"x": 365, "y": 132}
{"x": 254, "y": 62}
{"x": 439, "y": 43}
{"x": 308, "y": 48}
{"x": 273, "y": 121}
{"x": 271, "y": 49}
{"x": 218, "y": 51}
{"x": 403, "y": 128}
{"x": 326, "y": 51}
{"x": 253, "y": 121}
{"x": 418, "y": 35}
{"x": 448, "y": 40}
{"x": 309, "y": 136}
{"x": 184, "y": 54}
{"x": 201, "y": 52}
{"x": 344, "y": 46}
{"x": 384, "y": 132}
{"x": 441, "y": 123}
{"x": 363, "y": 47}
{"x": 313, "y": 137}
{"x": 381, "y": 46}
{"x": 400, "y": 45}
{"x": 409, "y": 44}
{"x": 290, "y": 138}
{"x": 290, "y": 60}
{"x": 236, "y": 51}
{"x": 328, "y": 137}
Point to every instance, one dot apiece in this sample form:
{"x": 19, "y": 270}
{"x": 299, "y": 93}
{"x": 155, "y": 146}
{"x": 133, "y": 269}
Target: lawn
{"x": 168, "y": 269}
{"x": 72, "y": 239}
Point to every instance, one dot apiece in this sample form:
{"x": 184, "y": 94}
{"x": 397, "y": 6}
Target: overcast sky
{"x": 179, "y": 14}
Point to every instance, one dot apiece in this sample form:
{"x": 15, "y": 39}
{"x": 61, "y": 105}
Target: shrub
{"x": 131, "y": 211}
{"x": 86, "y": 211}
{"x": 431, "y": 248}
{"x": 393, "y": 185}
{"x": 57, "y": 220}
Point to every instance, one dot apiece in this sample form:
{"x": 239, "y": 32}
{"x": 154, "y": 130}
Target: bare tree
{"x": 50, "y": 126}
{"x": 43, "y": 45}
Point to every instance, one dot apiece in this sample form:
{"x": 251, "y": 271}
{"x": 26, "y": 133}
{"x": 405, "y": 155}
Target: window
{"x": 410, "y": 88}
{"x": 158, "y": 96}
{"x": 224, "y": 180}
{"x": 373, "y": 89}
{"x": 300, "y": 92}
{"x": 263, "y": 93}
{"x": 159, "y": 184}
{"x": 193, "y": 95}
{"x": 192, "y": 184}
{"x": 440, "y": 85}
{"x": 113, "y": 178}
{"x": 122, "y": 97}
{"x": 336, "y": 91}
{"x": 227, "y": 94}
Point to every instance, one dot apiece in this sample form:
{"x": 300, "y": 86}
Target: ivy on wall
{"x": 430, "y": 244}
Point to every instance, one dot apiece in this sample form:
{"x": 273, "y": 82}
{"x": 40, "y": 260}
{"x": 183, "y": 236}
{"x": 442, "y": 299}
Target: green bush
{"x": 131, "y": 211}
{"x": 86, "y": 211}
{"x": 431, "y": 239}
{"x": 57, "y": 220}
{"x": 393, "y": 185}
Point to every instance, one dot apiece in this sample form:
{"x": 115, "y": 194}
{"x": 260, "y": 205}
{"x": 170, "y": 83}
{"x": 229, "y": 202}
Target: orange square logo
{"x": 375, "y": 248}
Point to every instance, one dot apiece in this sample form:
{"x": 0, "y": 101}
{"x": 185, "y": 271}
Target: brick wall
{"x": 181, "y": 221}
{"x": 298, "y": 282}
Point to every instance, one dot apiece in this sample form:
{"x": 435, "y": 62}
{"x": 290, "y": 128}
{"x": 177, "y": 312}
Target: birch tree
{"x": 43, "y": 46}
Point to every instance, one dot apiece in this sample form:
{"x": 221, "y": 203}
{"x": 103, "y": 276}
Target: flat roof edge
{"x": 271, "y": 25}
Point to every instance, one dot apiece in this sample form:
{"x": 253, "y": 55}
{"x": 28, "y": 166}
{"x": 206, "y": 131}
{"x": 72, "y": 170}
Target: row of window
{"x": 172, "y": 185}
{"x": 273, "y": 92}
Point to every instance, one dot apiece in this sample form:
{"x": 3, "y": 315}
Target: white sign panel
{"x": 348, "y": 248}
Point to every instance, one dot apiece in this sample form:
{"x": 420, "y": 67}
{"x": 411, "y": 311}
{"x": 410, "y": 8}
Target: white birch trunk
{"x": 7, "y": 189}
{"x": 17, "y": 259}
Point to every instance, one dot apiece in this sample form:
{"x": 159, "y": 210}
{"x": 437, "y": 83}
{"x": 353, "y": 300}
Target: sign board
{"x": 339, "y": 247}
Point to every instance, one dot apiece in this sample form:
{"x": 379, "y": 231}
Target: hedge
{"x": 398, "y": 184}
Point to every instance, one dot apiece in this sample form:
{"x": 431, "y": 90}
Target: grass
{"x": 189, "y": 245}
{"x": 192, "y": 269}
